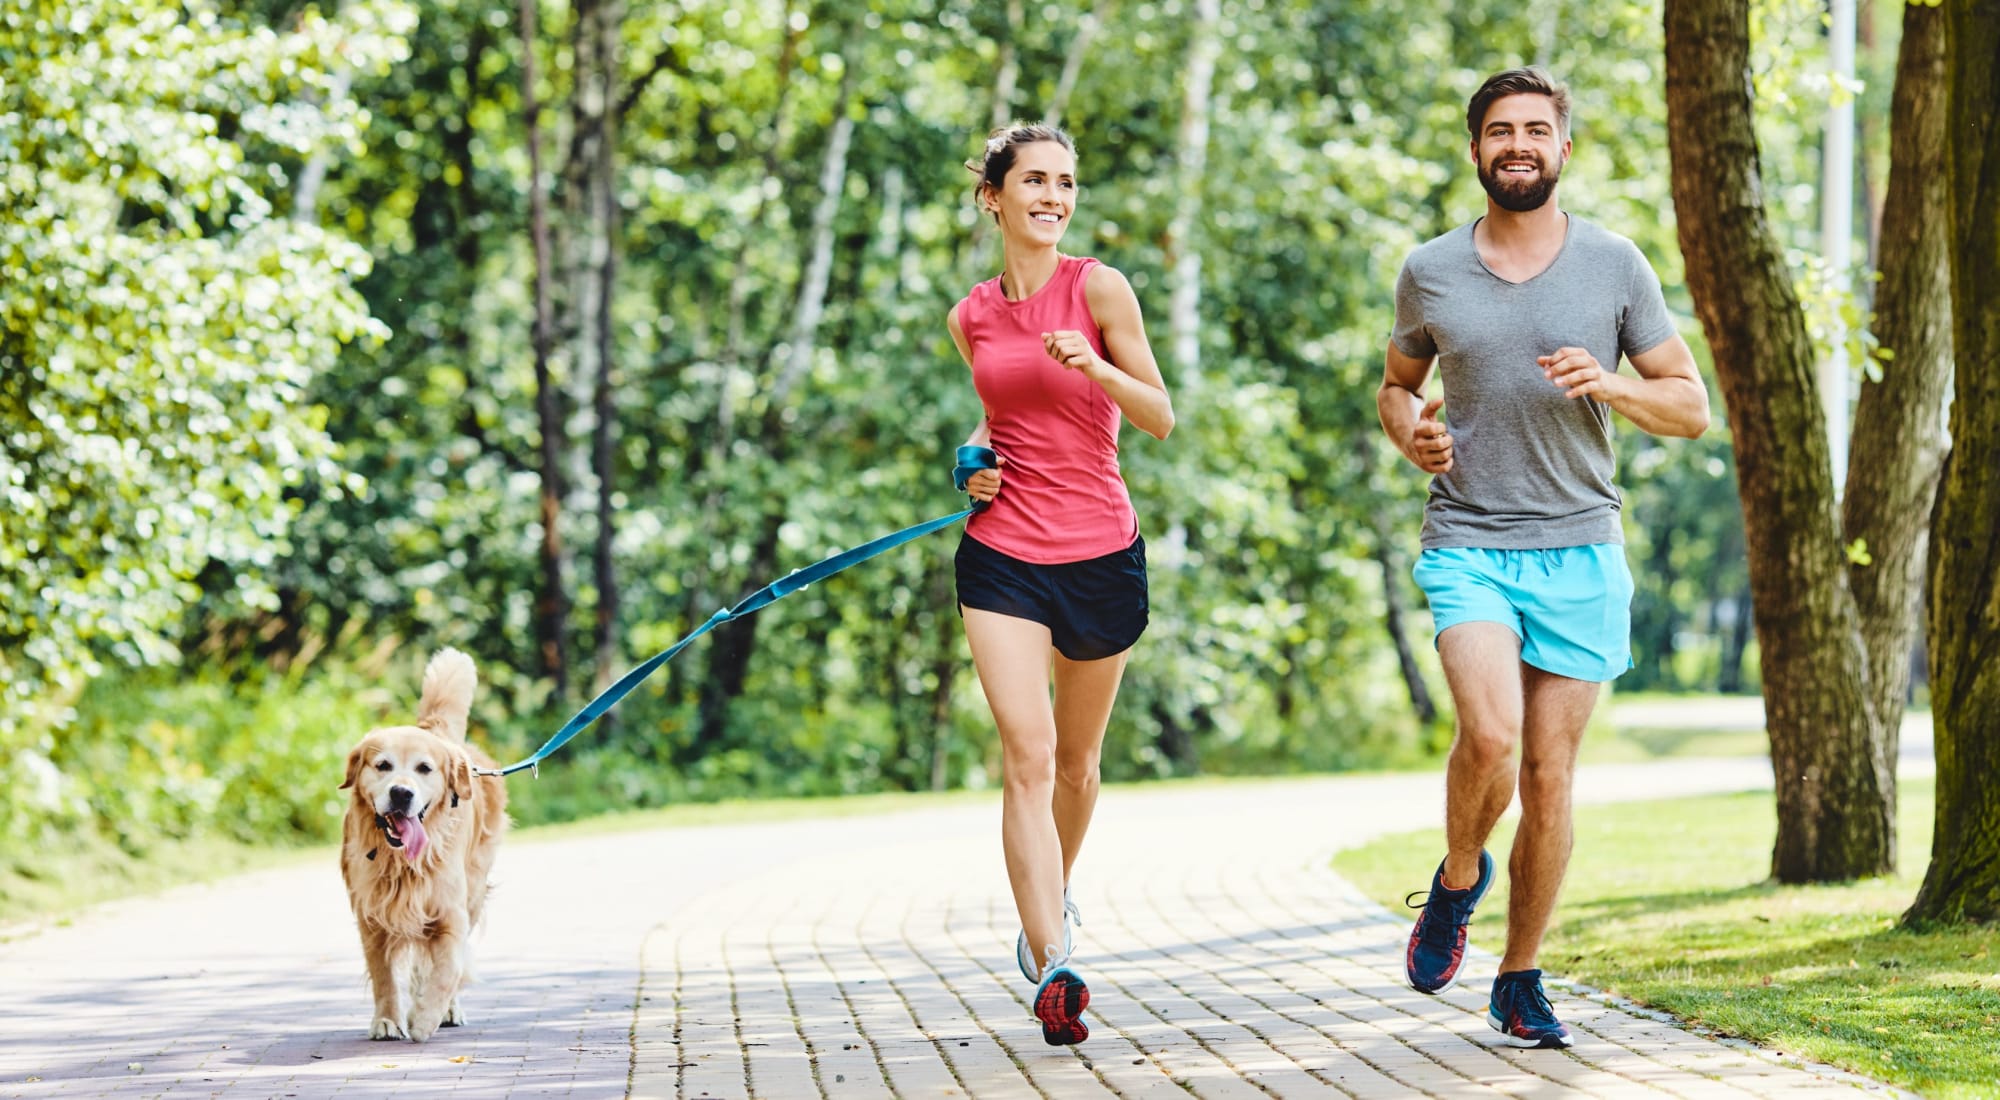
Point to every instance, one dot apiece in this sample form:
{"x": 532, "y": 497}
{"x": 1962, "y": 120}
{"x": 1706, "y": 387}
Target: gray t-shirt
{"x": 1531, "y": 468}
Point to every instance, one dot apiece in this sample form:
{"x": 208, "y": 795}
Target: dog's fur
{"x": 420, "y": 837}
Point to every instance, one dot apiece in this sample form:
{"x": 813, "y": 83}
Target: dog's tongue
{"x": 409, "y": 830}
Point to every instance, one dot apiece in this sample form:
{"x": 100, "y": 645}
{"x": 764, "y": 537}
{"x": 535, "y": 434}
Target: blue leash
{"x": 970, "y": 460}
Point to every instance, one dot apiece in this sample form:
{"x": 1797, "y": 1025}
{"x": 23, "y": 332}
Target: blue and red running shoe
{"x": 1520, "y": 1011}
{"x": 1059, "y": 1003}
{"x": 1437, "y": 944}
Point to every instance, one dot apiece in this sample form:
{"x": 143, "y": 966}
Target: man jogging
{"x": 1526, "y": 312}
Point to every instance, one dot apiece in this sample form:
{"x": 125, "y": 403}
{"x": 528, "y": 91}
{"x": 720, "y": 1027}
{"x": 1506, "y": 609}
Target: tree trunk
{"x": 735, "y": 349}
{"x": 552, "y": 598}
{"x": 1892, "y": 471}
{"x": 730, "y": 647}
{"x": 1659, "y": 650}
{"x": 1006, "y": 74}
{"x": 735, "y": 642}
{"x": 1867, "y": 46}
{"x": 1832, "y": 810}
{"x": 1006, "y": 70}
{"x": 1183, "y": 263}
{"x": 1963, "y": 882}
{"x": 592, "y": 157}
{"x": 604, "y": 236}
{"x": 1087, "y": 27}
{"x": 1183, "y": 257}
{"x": 796, "y": 353}
{"x": 1730, "y": 680}
{"x": 1176, "y": 740}
{"x": 1393, "y": 574}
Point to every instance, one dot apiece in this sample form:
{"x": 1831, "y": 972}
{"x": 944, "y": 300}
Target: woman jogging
{"x": 1052, "y": 576}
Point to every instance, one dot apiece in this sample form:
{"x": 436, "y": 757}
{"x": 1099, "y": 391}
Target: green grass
{"x": 50, "y": 882}
{"x": 1668, "y": 904}
{"x": 1644, "y": 744}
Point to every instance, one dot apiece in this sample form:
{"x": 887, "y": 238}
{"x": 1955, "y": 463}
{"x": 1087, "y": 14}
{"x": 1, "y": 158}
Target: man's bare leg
{"x": 1557, "y": 710}
{"x": 1482, "y": 665}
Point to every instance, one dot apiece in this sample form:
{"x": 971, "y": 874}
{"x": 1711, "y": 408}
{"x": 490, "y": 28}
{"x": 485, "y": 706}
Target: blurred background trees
{"x": 290, "y": 250}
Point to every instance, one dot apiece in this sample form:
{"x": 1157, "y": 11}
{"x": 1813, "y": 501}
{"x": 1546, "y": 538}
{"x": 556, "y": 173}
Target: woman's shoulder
{"x": 1082, "y": 266}
{"x": 1102, "y": 285}
{"x": 977, "y": 300}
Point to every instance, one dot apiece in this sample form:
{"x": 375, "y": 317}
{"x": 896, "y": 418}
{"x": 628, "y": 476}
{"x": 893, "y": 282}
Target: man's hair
{"x": 1533, "y": 80}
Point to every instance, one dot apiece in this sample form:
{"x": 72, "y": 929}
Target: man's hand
{"x": 1578, "y": 374}
{"x": 1430, "y": 444}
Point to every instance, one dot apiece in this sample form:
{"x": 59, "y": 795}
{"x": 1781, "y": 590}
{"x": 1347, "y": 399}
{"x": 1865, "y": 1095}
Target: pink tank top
{"x": 1061, "y": 496}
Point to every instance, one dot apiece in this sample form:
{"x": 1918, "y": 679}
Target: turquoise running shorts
{"x": 1571, "y": 607}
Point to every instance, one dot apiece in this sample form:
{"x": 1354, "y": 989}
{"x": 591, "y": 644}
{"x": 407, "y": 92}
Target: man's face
{"x": 1520, "y": 151}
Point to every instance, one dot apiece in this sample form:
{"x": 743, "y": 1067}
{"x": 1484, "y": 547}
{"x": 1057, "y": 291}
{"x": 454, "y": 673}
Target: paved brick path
{"x": 863, "y": 957}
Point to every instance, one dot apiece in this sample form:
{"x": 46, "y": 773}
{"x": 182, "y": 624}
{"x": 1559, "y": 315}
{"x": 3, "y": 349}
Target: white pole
{"x": 1836, "y": 224}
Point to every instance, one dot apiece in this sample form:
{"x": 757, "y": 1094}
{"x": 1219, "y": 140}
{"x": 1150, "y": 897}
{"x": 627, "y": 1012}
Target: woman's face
{"x": 1038, "y": 195}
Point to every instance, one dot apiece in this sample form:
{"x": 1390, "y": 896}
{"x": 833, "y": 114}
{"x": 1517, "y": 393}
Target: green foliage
{"x": 352, "y": 477}
{"x": 161, "y": 324}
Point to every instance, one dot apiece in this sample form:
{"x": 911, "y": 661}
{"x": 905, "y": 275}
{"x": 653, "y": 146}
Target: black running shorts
{"x": 1093, "y": 609}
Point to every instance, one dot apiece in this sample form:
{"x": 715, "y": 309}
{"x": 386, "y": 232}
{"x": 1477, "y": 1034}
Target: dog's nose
{"x": 399, "y": 798}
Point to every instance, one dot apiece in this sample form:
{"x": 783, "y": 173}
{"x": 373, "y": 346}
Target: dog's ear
{"x": 353, "y": 767}
{"x": 461, "y": 779}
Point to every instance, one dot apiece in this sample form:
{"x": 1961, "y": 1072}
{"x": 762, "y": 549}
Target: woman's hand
{"x": 1072, "y": 349}
{"x": 984, "y": 485}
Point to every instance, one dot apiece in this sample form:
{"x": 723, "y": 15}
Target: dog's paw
{"x": 385, "y": 1028}
{"x": 423, "y": 1025}
{"x": 453, "y": 1016}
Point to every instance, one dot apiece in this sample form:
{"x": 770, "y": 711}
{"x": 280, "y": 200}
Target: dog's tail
{"x": 448, "y": 684}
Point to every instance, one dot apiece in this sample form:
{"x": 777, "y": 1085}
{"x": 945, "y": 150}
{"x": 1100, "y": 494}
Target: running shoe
{"x": 1060, "y": 999}
{"x": 1437, "y": 944}
{"x": 1025, "y": 955}
{"x": 1520, "y": 1011}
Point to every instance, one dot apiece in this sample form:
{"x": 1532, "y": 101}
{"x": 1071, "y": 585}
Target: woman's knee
{"x": 1029, "y": 767}
{"x": 1077, "y": 770}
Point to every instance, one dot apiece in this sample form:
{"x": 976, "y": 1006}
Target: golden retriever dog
{"x": 420, "y": 837}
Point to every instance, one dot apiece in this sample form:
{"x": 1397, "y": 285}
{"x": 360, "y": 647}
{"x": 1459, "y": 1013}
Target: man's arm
{"x": 1666, "y": 397}
{"x": 1411, "y": 422}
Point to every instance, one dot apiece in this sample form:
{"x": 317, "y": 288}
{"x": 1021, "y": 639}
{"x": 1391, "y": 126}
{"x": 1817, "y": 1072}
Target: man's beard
{"x": 1519, "y": 196}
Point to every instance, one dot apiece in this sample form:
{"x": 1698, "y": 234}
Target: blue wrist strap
{"x": 971, "y": 460}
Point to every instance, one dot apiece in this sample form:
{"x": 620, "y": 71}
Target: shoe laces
{"x": 1070, "y": 912}
{"x": 1051, "y": 958}
{"x": 1446, "y": 914}
{"x": 1530, "y": 1004}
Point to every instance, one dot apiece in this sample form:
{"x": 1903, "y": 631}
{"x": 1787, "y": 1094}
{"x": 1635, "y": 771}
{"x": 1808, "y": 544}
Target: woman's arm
{"x": 1131, "y": 377}
{"x": 984, "y": 485}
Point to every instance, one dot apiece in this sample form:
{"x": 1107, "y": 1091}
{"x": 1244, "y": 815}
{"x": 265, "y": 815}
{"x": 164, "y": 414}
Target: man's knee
{"x": 1485, "y": 744}
{"x": 1546, "y": 784}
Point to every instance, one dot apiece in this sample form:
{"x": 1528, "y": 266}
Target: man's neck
{"x": 1519, "y": 246}
{"x": 1525, "y": 232}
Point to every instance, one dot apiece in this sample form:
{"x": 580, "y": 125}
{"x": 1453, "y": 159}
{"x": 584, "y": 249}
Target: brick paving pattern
{"x": 856, "y": 957}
